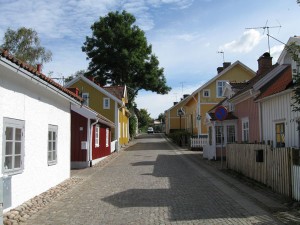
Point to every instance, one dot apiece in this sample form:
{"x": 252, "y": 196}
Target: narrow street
{"x": 151, "y": 182}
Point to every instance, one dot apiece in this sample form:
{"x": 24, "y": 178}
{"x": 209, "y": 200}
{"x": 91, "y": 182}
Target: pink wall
{"x": 248, "y": 108}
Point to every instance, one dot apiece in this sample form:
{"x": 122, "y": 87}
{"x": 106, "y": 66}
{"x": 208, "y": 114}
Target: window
{"x": 245, "y": 130}
{"x": 206, "y": 93}
{"x": 106, "y": 103}
{"x": 13, "y": 142}
{"x": 85, "y": 97}
{"x": 97, "y": 136}
{"x": 230, "y": 134}
{"x": 52, "y": 144}
{"x": 107, "y": 137}
{"x": 220, "y": 87}
{"x": 280, "y": 136}
{"x": 219, "y": 134}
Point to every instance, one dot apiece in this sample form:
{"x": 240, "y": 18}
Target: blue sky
{"x": 185, "y": 35}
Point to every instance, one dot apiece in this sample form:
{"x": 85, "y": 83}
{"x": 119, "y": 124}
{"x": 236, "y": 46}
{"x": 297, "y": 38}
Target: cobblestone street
{"x": 151, "y": 182}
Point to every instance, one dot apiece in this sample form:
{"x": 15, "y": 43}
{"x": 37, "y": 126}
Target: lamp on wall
{"x": 198, "y": 117}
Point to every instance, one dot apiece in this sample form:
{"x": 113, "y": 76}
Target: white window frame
{"x": 16, "y": 126}
{"x": 106, "y": 103}
{"x": 86, "y": 97}
{"x": 231, "y": 138}
{"x": 281, "y": 133}
{"x": 245, "y": 130}
{"x": 223, "y": 82}
{"x": 52, "y": 144}
{"x": 221, "y": 135}
{"x": 97, "y": 135}
{"x": 107, "y": 137}
{"x": 206, "y": 91}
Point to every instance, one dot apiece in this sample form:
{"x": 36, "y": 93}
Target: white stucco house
{"x": 34, "y": 131}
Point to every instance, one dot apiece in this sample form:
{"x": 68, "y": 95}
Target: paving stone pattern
{"x": 151, "y": 183}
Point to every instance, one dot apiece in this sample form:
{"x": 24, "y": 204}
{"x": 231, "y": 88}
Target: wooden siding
{"x": 274, "y": 170}
{"x": 77, "y": 136}
{"x": 248, "y": 108}
{"x": 278, "y": 109}
{"x": 102, "y": 150}
{"x": 96, "y": 100}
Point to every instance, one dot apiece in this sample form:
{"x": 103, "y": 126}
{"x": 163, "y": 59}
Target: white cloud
{"x": 245, "y": 43}
{"x": 276, "y": 51}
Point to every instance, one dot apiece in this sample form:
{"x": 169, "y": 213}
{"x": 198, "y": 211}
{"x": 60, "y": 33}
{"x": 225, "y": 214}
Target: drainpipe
{"x": 91, "y": 143}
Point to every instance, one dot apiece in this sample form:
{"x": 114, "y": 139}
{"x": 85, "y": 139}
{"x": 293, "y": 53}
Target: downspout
{"x": 91, "y": 142}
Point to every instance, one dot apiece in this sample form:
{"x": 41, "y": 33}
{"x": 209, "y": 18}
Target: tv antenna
{"x": 222, "y": 52}
{"x": 266, "y": 27}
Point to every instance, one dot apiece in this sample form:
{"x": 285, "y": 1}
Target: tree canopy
{"x": 24, "y": 44}
{"x": 120, "y": 55}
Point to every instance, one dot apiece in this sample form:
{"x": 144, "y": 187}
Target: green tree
{"x": 24, "y": 44}
{"x": 76, "y": 74}
{"x": 161, "y": 117}
{"x": 294, "y": 50}
{"x": 144, "y": 119}
{"x": 120, "y": 55}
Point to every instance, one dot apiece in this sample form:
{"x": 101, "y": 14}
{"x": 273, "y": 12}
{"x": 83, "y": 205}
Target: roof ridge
{"x": 5, "y": 54}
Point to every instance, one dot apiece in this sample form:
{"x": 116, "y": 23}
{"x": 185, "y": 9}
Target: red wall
{"x": 77, "y": 136}
{"x": 102, "y": 150}
{"x": 248, "y": 108}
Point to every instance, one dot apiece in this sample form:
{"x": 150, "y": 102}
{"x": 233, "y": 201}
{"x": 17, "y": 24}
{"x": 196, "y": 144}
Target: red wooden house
{"x": 90, "y": 137}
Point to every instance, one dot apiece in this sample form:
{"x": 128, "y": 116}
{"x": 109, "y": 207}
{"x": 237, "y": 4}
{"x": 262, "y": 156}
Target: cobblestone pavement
{"x": 152, "y": 182}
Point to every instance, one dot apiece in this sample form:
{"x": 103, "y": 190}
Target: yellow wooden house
{"x": 196, "y": 105}
{"x": 108, "y": 101}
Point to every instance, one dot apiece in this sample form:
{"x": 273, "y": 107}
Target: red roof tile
{"x": 117, "y": 91}
{"x": 278, "y": 84}
{"x": 33, "y": 71}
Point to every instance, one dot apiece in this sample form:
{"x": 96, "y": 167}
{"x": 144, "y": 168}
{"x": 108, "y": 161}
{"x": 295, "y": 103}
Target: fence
{"x": 198, "y": 142}
{"x": 273, "y": 167}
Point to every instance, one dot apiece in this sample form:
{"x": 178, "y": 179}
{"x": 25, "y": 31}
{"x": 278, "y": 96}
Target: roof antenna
{"x": 222, "y": 52}
{"x": 266, "y": 27}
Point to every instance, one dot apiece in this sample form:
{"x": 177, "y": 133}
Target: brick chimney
{"x": 74, "y": 90}
{"x": 220, "y": 69}
{"x": 39, "y": 68}
{"x": 91, "y": 78}
{"x": 264, "y": 63}
{"x": 226, "y": 64}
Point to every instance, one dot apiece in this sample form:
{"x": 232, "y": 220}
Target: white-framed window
{"x": 230, "y": 134}
{"x": 206, "y": 93}
{"x": 13, "y": 145}
{"x": 219, "y": 135}
{"x": 97, "y": 135}
{"x": 280, "y": 135}
{"x": 106, "y": 103}
{"x": 85, "y": 97}
{"x": 220, "y": 87}
{"x": 52, "y": 144}
{"x": 245, "y": 130}
{"x": 107, "y": 137}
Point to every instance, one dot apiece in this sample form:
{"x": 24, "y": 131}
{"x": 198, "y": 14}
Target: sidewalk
{"x": 284, "y": 209}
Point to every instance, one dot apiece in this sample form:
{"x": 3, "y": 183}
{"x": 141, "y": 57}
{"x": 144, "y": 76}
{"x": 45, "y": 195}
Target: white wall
{"x": 278, "y": 109}
{"x": 26, "y": 100}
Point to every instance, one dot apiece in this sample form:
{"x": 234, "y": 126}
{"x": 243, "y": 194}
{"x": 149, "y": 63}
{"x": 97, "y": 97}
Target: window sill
{"x": 52, "y": 163}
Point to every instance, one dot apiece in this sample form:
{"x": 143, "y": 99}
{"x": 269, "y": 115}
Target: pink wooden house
{"x": 243, "y": 122}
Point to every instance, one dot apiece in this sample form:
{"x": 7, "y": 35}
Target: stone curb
{"x": 20, "y": 214}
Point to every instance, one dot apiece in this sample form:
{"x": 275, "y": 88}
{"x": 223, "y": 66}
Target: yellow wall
{"x": 96, "y": 103}
{"x": 236, "y": 73}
